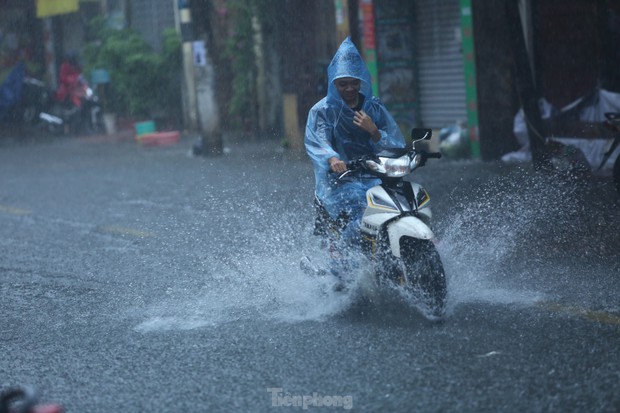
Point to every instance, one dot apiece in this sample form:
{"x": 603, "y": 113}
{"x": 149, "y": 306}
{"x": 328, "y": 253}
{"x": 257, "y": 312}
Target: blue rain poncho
{"x": 330, "y": 131}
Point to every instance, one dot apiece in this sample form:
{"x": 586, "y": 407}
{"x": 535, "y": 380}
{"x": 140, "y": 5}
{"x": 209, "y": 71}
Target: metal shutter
{"x": 441, "y": 78}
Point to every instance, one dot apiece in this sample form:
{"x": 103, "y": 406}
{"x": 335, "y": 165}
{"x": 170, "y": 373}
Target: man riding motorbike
{"x": 347, "y": 123}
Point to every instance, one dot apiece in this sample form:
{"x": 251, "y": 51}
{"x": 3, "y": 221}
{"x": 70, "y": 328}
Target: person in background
{"x": 70, "y": 81}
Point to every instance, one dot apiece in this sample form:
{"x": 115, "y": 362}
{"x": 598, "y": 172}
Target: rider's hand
{"x": 362, "y": 120}
{"x": 336, "y": 165}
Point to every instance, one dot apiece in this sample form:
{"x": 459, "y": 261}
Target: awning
{"x": 46, "y": 8}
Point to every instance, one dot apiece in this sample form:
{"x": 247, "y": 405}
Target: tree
{"x": 137, "y": 73}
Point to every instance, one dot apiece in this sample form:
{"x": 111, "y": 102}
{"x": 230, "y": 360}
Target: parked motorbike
{"x": 396, "y": 226}
{"x": 613, "y": 122}
{"x": 39, "y": 108}
{"x": 35, "y": 99}
{"x": 23, "y": 399}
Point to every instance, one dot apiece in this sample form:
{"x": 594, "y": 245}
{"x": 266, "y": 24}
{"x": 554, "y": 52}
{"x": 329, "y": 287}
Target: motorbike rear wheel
{"x": 424, "y": 274}
{"x": 30, "y": 114}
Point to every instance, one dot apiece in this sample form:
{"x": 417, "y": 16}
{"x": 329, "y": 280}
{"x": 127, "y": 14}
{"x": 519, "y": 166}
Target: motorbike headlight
{"x": 396, "y": 167}
{"x": 375, "y": 166}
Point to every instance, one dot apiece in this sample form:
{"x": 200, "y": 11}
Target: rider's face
{"x": 348, "y": 88}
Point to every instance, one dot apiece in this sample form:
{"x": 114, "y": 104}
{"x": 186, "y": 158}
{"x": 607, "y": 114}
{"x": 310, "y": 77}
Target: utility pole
{"x": 526, "y": 89}
{"x": 200, "y": 104}
{"x": 183, "y": 21}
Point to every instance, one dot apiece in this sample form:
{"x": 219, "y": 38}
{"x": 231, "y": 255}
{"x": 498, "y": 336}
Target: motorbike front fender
{"x": 407, "y": 226}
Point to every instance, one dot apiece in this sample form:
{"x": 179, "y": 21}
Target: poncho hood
{"x": 347, "y": 62}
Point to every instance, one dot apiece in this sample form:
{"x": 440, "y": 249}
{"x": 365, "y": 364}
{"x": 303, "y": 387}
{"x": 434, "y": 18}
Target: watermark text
{"x": 280, "y": 399}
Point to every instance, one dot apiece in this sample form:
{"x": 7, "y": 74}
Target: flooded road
{"x": 143, "y": 279}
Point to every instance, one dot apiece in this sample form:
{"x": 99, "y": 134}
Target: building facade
{"x": 434, "y": 62}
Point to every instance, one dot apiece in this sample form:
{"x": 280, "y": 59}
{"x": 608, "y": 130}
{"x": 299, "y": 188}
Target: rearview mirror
{"x": 420, "y": 134}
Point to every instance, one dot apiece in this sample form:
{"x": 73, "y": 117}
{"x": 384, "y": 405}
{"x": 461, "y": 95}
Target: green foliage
{"x": 240, "y": 51}
{"x": 141, "y": 81}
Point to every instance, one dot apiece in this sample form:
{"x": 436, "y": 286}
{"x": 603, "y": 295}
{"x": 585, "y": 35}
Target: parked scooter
{"x": 613, "y": 122}
{"x": 35, "y": 99}
{"x": 39, "y": 108}
{"x": 80, "y": 112}
{"x": 395, "y": 229}
{"x": 23, "y": 399}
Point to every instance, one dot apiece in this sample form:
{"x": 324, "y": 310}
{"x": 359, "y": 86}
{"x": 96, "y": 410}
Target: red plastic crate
{"x": 159, "y": 138}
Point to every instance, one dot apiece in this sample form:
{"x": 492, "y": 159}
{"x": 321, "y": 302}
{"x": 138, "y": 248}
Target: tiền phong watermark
{"x": 280, "y": 399}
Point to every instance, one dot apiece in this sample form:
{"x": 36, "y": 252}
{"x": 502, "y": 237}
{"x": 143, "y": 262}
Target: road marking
{"x": 114, "y": 229}
{"x": 599, "y": 316}
{"x": 14, "y": 211}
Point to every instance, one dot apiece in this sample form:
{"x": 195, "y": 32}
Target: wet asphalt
{"x": 138, "y": 279}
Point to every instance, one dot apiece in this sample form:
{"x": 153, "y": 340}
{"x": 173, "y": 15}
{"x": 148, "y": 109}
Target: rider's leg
{"x": 344, "y": 249}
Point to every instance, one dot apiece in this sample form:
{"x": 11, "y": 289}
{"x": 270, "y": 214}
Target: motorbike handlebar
{"x": 428, "y": 155}
{"x": 431, "y": 155}
{"x": 357, "y": 164}
{"x": 354, "y": 164}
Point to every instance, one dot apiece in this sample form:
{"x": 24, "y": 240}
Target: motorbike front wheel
{"x": 424, "y": 274}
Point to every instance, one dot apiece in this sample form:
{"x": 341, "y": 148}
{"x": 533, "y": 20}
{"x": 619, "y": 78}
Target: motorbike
{"x": 396, "y": 234}
{"x": 23, "y": 399}
{"x": 39, "y": 108}
{"x": 613, "y": 122}
{"x": 35, "y": 99}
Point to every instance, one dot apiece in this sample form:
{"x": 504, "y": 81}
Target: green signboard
{"x": 469, "y": 57}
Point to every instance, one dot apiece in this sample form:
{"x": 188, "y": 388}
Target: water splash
{"x": 262, "y": 280}
{"x": 484, "y": 243}
{"x": 498, "y": 236}
{"x": 258, "y": 287}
